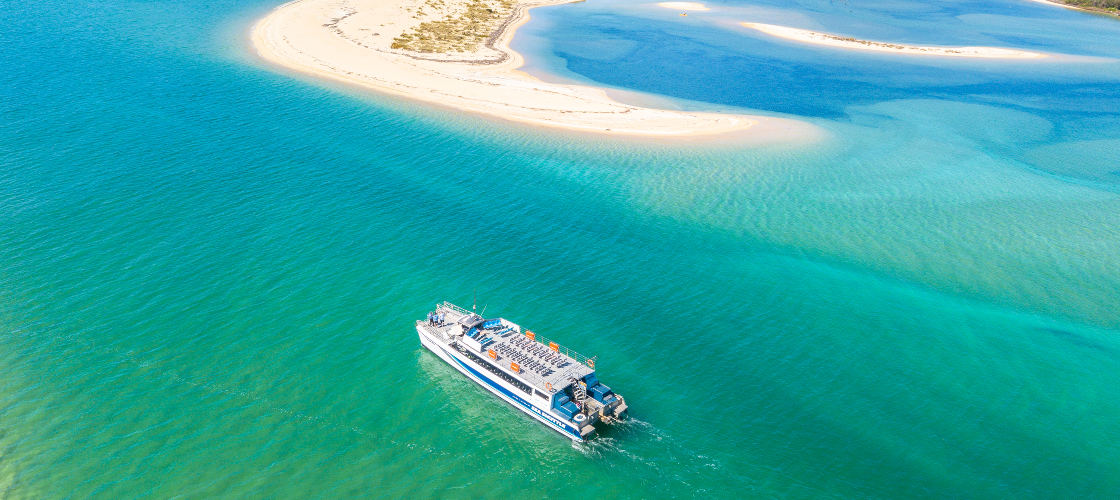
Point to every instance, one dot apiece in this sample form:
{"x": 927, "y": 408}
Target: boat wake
{"x": 642, "y": 445}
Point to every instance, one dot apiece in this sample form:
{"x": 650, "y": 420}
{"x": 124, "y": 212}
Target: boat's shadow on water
{"x": 1079, "y": 340}
{"x": 487, "y": 416}
{"x": 474, "y": 410}
{"x": 470, "y": 410}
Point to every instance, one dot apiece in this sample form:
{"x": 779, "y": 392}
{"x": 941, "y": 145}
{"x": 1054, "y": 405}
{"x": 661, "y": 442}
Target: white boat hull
{"x": 499, "y": 388}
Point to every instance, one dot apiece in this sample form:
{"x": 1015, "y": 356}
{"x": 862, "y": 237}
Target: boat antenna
{"x": 484, "y": 309}
{"x": 474, "y": 304}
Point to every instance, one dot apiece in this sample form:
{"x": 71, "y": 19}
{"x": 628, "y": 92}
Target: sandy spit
{"x": 350, "y": 41}
{"x": 696, "y": 6}
{"x": 837, "y": 41}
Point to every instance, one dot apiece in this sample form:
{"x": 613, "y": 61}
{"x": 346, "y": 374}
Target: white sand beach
{"x": 353, "y": 41}
{"x": 837, "y": 41}
{"x": 1056, "y": 4}
{"x": 689, "y": 6}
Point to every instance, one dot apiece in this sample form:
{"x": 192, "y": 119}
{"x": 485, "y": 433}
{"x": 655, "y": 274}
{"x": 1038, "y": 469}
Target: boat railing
{"x": 453, "y": 307}
{"x": 589, "y": 361}
{"x": 555, "y": 346}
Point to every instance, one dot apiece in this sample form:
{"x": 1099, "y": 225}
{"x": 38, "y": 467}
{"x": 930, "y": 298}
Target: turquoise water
{"x": 209, "y": 269}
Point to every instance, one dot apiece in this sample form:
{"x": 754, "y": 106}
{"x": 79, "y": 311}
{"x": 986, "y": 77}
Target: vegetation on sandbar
{"x": 1110, "y": 6}
{"x": 462, "y": 32}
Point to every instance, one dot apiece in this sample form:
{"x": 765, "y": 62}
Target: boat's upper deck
{"x": 542, "y": 365}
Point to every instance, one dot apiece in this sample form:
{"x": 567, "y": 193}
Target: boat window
{"x": 497, "y": 371}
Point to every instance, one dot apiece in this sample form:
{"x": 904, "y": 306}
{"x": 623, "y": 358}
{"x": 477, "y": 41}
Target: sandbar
{"x": 369, "y": 43}
{"x": 696, "y": 6}
{"x": 843, "y": 42}
{"x": 1111, "y": 11}
{"x": 1056, "y": 4}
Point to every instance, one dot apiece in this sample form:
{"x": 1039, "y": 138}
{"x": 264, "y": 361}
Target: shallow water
{"x": 209, "y": 269}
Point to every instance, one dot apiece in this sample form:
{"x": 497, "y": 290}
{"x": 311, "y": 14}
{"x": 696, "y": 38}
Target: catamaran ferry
{"x": 541, "y": 378}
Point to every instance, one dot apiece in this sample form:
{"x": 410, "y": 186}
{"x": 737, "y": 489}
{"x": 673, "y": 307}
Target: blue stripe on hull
{"x": 495, "y": 386}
